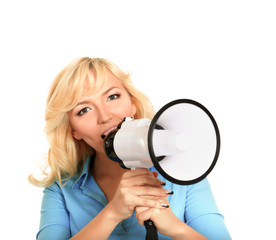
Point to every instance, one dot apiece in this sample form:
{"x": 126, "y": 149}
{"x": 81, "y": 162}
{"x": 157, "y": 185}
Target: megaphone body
{"x": 131, "y": 145}
{"x": 182, "y": 142}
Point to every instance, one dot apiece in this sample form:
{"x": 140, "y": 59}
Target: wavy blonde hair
{"x": 66, "y": 154}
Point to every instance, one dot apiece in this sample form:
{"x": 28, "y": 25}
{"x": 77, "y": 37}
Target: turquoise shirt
{"x": 66, "y": 210}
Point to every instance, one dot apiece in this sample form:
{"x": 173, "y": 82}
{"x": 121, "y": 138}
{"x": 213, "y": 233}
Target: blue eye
{"x": 83, "y": 111}
{"x": 113, "y": 97}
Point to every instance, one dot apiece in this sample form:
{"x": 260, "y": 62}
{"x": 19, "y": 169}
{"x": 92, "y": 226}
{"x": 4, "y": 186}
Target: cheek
{"x": 85, "y": 130}
{"x": 127, "y": 109}
{"x": 123, "y": 112}
{"x": 90, "y": 136}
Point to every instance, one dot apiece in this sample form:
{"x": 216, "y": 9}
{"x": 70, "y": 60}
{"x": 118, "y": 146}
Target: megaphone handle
{"x": 151, "y": 230}
{"x": 150, "y": 227}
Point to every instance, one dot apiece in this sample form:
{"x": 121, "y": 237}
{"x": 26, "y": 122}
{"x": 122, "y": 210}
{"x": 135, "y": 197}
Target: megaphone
{"x": 182, "y": 142}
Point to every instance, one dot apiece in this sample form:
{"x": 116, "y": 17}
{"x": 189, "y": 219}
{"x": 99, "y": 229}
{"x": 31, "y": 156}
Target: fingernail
{"x": 163, "y": 184}
{"x": 169, "y": 192}
{"x": 165, "y": 205}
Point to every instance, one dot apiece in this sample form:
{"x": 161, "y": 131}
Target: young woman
{"x": 88, "y": 196}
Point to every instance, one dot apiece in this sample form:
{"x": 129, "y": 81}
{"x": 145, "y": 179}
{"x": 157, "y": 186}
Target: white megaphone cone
{"x": 182, "y": 142}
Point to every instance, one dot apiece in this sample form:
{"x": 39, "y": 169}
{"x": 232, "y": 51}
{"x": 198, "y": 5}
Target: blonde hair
{"x": 66, "y": 153}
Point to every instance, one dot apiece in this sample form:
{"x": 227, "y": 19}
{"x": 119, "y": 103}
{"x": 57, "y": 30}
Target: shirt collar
{"x": 82, "y": 177}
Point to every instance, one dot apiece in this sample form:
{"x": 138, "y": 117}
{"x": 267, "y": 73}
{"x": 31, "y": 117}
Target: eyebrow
{"x": 108, "y": 90}
{"x": 103, "y": 94}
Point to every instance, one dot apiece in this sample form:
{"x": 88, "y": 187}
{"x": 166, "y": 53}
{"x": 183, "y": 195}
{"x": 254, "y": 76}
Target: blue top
{"x": 66, "y": 210}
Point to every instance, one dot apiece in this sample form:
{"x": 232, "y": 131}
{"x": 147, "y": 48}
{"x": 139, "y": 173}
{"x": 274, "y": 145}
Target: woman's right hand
{"x": 134, "y": 190}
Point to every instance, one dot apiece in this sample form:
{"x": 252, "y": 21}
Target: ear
{"x": 76, "y": 135}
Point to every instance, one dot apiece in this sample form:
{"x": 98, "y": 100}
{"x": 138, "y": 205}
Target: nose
{"x": 104, "y": 114}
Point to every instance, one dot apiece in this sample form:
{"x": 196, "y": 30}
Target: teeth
{"x": 107, "y": 132}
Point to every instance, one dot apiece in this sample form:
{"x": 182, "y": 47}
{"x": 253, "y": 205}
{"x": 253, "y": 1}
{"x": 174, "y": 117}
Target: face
{"x": 96, "y": 115}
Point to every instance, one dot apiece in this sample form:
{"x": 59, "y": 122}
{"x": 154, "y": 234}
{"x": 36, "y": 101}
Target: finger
{"x": 137, "y": 172}
{"x": 139, "y": 210}
{"x": 148, "y": 214}
{"x": 149, "y": 202}
{"x": 155, "y": 174}
{"x": 149, "y": 192}
{"x": 138, "y": 180}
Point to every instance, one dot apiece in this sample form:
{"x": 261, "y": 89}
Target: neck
{"x": 107, "y": 174}
{"x": 103, "y": 166}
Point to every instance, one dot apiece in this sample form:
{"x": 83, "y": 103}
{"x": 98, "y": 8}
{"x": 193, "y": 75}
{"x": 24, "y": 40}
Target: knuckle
{"x": 123, "y": 182}
{"x": 129, "y": 201}
{"x": 144, "y": 171}
{"x": 138, "y": 216}
{"x": 140, "y": 219}
{"x": 156, "y": 210}
{"x": 149, "y": 203}
{"x": 145, "y": 189}
{"x": 125, "y": 196}
{"x": 145, "y": 202}
{"x": 123, "y": 191}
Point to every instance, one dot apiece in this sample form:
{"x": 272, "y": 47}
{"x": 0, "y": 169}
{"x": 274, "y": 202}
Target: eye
{"x": 84, "y": 111}
{"x": 113, "y": 97}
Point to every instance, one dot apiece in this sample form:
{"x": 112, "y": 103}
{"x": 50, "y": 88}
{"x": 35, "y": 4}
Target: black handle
{"x": 151, "y": 230}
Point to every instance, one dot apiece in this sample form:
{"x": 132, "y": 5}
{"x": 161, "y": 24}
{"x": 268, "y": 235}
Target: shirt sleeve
{"x": 54, "y": 221}
{"x": 202, "y": 214}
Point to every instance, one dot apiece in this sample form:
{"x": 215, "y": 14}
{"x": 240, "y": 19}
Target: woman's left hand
{"x": 164, "y": 219}
{"x": 167, "y": 223}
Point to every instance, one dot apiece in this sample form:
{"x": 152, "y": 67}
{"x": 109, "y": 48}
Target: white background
{"x": 220, "y": 53}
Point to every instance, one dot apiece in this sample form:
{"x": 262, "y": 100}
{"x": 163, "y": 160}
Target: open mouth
{"x": 108, "y": 131}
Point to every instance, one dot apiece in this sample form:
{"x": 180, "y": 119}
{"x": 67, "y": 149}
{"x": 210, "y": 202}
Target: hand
{"x": 164, "y": 219}
{"x": 130, "y": 193}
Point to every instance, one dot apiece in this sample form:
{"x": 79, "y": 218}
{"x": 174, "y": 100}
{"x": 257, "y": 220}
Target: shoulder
{"x": 77, "y": 179}
{"x": 199, "y": 186}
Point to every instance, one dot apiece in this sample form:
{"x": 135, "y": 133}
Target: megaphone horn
{"x": 182, "y": 142}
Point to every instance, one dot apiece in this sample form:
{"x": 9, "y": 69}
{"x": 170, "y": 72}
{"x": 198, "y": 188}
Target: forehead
{"x": 97, "y": 83}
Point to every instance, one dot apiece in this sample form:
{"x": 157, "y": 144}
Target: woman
{"x": 88, "y": 196}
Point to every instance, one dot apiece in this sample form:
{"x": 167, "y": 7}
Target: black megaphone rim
{"x": 155, "y": 159}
